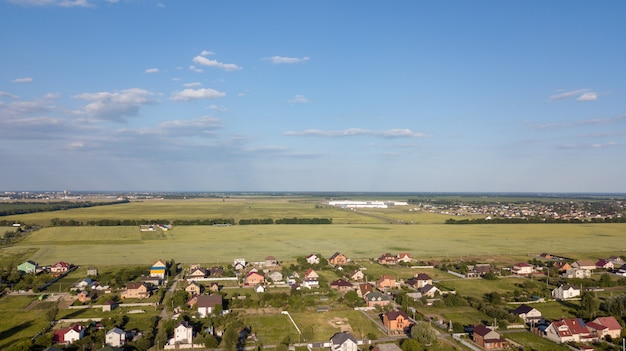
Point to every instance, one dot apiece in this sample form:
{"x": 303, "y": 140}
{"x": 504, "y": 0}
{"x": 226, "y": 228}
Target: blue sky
{"x": 502, "y": 96}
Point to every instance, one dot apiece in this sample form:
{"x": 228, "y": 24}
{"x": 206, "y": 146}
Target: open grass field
{"x": 19, "y": 321}
{"x": 209, "y": 244}
{"x": 534, "y": 342}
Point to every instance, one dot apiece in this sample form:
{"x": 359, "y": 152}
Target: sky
{"x": 354, "y": 95}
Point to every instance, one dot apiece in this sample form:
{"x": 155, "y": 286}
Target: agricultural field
{"x": 212, "y": 244}
{"x": 235, "y": 208}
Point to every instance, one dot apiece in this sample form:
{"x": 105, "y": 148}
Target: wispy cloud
{"x": 206, "y": 53}
{"x": 203, "y": 61}
{"x": 298, "y": 99}
{"x": 59, "y": 3}
{"x": 194, "y": 94}
{"x": 195, "y": 69}
{"x": 5, "y": 94}
{"x": 192, "y": 85}
{"x": 286, "y": 60}
{"x": 588, "y": 146}
{"x": 152, "y": 70}
{"x": 217, "y": 108}
{"x": 389, "y": 133}
{"x": 22, "y": 80}
{"x": 583, "y": 95}
{"x": 598, "y": 121}
{"x": 115, "y": 106}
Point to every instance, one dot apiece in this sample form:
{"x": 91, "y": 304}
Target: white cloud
{"x": 201, "y": 60}
{"x": 583, "y": 95}
{"x": 152, "y": 70}
{"x": 201, "y": 123}
{"x": 4, "y": 93}
{"x": 194, "y": 94}
{"x": 75, "y": 145}
{"x": 298, "y": 99}
{"x": 206, "y": 53}
{"x": 283, "y": 59}
{"x": 22, "y": 80}
{"x": 192, "y": 85}
{"x": 60, "y": 3}
{"x": 23, "y": 109}
{"x": 195, "y": 69}
{"x": 217, "y": 108}
{"x": 589, "y": 96}
{"x": 389, "y": 133}
{"x": 115, "y": 105}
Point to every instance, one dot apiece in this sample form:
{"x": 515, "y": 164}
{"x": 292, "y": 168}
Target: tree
{"x": 411, "y": 345}
{"x": 210, "y": 341}
{"x": 423, "y": 333}
{"x": 230, "y": 339}
{"x": 589, "y": 304}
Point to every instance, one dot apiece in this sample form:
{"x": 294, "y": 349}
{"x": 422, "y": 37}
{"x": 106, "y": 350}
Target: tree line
{"x": 58, "y": 222}
{"x": 16, "y": 208}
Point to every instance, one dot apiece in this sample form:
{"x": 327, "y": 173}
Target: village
{"x": 201, "y": 305}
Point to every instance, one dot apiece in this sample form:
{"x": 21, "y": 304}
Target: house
{"x": 617, "y": 260}
{"x": 109, "y": 306}
{"x": 87, "y": 282}
{"x": 239, "y": 263}
{"x": 523, "y": 269}
{"x": 216, "y": 271}
{"x": 29, "y": 267}
{"x": 197, "y": 273}
{"x": 565, "y": 291}
{"x": 69, "y": 335}
{"x": 136, "y": 291}
{"x": 341, "y": 285}
{"x": 60, "y": 268}
{"x": 569, "y": 329}
{"x": 311, "y": 279}
{"x": 214, "y": 287}
{"x": 207, "y": 304}
{"x": 386, "y": 282}
{"x": 356, "y": 275}
{"x": 561, "y": 266}
{"x": 86, "y": 296}
{"x": 576, "y": 273}
{"x": 312, "y": 259}
{"x": 259, "y": 289}
{"x": 343, "y": 341}
{"x": 487, "y": 338}
{"x": 376, "y": 298}
{"x": 429, "y": 291}
{"x": 614, "y": 329}
{"x": 397, "y": 321}
{"x": 193, "y": 288}
{"x": 183, "y": 333}
{"x": 388, "y": 259}
{"x": 254, "y": 278}
{"x": 404, "y": 257}
{"x": 338, "y": 259}
{"x": 478, "y": 270}
{"x": 158, "y": 269}
{"x": 585, "y": 264}
{"x": 386, "y": 347}
{"x": 528, "y": 314}
{"x": 276, "y": 276}
{"x": 363, "y": 289}
{"x": 115, "y": 337}
{"x": 92, "y": 271}
{"x": 422, "y": 279}
{"x": 270, "y": 261}
{"x": 605, "y": 264}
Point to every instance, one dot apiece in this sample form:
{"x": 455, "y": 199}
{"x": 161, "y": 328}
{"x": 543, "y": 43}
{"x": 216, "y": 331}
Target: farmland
{"x": 211, "y": 244}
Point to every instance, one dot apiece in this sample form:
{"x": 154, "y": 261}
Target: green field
{"x": 20, "y": 319}
{"x": 209, "y": 244}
